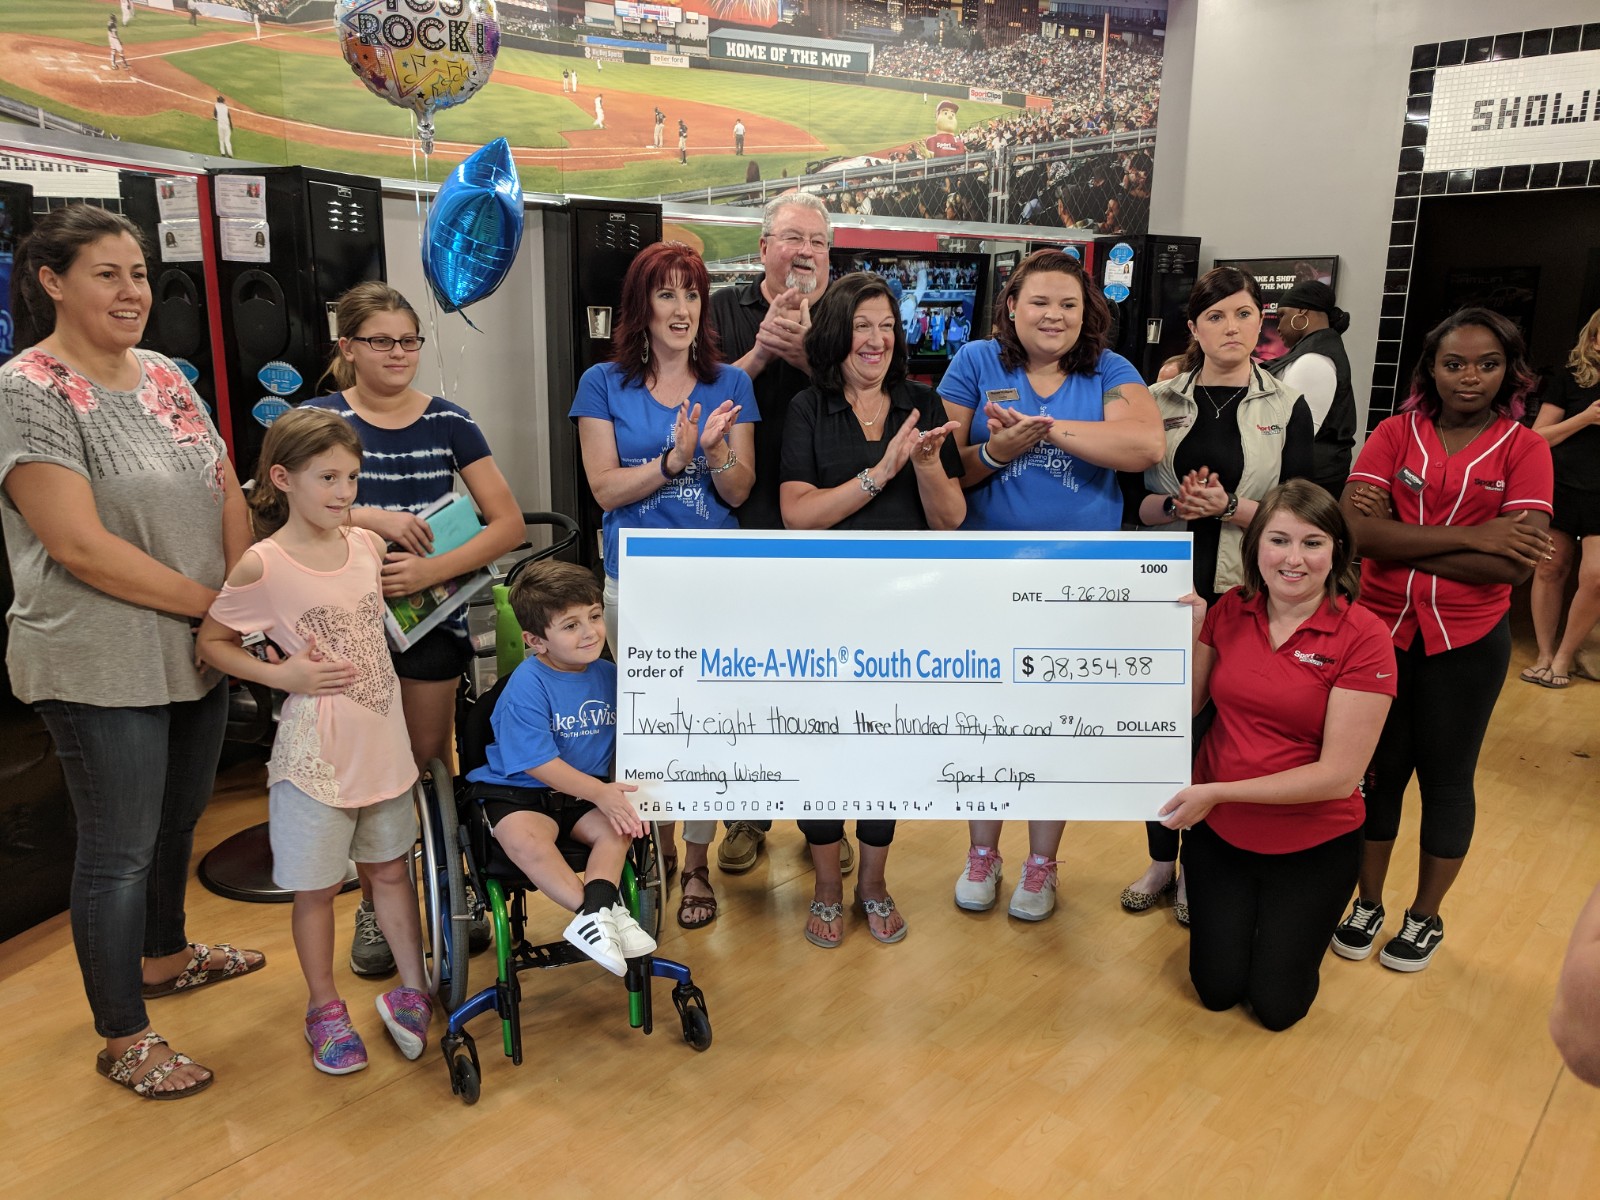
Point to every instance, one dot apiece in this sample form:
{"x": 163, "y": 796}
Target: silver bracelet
{"x": 733, "y": 461}
{"x": 867, "y": 484}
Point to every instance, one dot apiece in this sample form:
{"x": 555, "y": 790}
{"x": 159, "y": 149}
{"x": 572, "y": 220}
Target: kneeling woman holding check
{"x": 1302, "y": 679}
{"x": 864, "y": 448}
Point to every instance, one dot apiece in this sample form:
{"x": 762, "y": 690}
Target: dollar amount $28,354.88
{"x": 1079, "y": 668}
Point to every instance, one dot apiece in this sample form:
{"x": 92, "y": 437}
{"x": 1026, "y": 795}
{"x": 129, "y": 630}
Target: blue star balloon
{"x": 474, "y": 228}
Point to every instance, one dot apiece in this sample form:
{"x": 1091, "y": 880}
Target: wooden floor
{"x": 979, "y": 1057}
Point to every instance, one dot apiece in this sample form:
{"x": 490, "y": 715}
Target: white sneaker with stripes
{"x": 596, "y": 935}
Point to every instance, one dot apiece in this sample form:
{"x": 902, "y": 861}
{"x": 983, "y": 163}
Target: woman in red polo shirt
{"x": 1302, "y": 678}
{"x": 1450, "y": 504}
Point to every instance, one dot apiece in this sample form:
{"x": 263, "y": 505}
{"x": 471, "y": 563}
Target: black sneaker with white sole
{"x": 1356, "y": 933}
{"x": 1412, "y": 948}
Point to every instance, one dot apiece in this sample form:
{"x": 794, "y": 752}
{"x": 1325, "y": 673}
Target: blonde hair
{"x": 1584, "y": 361}
{"x": 293, "y": 440}
{"x": 351, "y": 311}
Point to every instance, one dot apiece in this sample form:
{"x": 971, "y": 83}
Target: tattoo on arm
{"x": 1113, "y": 396}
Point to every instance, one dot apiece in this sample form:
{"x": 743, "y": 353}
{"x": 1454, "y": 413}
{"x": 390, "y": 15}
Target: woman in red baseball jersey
{"x": 1450, "y": 503}
{"x": 1302, "y": 678}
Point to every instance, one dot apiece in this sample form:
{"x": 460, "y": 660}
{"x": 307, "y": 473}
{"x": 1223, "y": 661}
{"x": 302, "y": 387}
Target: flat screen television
{"x": 16, "y": 220}
{"x": 942, "y": 296}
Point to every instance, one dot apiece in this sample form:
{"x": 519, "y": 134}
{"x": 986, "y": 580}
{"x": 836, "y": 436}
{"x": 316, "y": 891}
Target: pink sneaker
{"x": 336, "y": 1048}
{"x": 408, "y": 1013}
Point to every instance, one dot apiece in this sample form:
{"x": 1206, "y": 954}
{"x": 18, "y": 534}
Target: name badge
{"x": 1001, "y": 395}
{"x": 1412, "y": 480}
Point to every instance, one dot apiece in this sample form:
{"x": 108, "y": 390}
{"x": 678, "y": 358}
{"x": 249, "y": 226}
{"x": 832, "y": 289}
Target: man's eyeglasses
{"x": 795, "y": 241}
{"x": 385, "y": 344}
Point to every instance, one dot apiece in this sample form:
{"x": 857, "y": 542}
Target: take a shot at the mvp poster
{"x": 929, "y": 675}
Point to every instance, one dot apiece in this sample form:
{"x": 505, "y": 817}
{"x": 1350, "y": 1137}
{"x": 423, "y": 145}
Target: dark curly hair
{"x": 1093, "y": 337}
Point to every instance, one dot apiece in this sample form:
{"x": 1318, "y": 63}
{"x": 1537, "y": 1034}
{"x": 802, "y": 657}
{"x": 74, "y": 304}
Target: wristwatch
{"x": 867, "y": 485}
{"x": 1230, "y": 508}
{"x": 1169, "y": 507}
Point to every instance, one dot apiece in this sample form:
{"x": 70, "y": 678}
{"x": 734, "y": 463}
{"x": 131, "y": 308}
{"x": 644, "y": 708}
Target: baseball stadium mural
{"x": 1016, "y": 111}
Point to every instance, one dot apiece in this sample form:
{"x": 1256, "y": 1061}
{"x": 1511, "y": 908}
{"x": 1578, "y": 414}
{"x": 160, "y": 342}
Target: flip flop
{"x": 196, "y": 975}
{"x": 828, "y": 914}
{"x": 1555, "y": 682}
{"x": 1536, "y": 675}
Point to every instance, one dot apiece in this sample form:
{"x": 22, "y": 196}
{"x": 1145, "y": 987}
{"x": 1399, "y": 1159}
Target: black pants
{"x": 1260, "y": 923}
{"x": 1435, "y": 729}
{"x": 868, "y": 833}
{"x": 1163, "y": 842}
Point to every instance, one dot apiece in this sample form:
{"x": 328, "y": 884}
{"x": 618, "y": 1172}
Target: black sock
{"x": 598, "y": 894}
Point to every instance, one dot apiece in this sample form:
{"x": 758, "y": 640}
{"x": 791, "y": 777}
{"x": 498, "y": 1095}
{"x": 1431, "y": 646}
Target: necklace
{"x": 882, "y": 408}
{"x": 1237, "y": 395}
{"x": 1482, "y": 426}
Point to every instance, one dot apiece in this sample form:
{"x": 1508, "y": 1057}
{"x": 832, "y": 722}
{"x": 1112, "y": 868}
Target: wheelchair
{"x": 456, "y": 849}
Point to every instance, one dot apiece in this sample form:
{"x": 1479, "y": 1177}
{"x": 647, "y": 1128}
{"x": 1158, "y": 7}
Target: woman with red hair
{"x": 665, "y": 430}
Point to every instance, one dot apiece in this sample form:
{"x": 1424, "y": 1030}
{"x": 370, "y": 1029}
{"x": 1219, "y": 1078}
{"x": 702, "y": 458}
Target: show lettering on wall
{"x": 1528, "y": 110}
{"x": 830, "y": 56}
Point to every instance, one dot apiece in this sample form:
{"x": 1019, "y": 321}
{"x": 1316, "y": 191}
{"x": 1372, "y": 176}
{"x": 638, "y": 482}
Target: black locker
{"x": 324, "y": 232}
{"x": 1152, "y": 323}
{"x": 589, "y": 245}
{"x": 179, "y": 324}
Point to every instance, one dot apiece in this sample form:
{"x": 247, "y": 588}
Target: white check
{"x": 928, "y": 675}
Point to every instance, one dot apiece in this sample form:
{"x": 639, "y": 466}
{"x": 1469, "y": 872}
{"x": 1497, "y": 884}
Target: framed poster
{"x": 1276, "y": 276}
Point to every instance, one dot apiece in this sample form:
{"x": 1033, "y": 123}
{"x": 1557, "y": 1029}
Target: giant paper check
{"x": 971, "y": 676}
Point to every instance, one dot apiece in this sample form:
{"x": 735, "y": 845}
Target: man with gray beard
{"x": 762, "y": 328}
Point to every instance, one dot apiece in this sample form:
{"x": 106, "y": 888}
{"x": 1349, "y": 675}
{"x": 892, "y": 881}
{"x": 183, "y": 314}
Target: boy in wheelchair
{"x": 547, "y": 778}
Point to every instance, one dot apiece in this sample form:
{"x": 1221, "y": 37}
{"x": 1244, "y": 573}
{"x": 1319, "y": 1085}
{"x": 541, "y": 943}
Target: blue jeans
{"x": 139, "y": 779}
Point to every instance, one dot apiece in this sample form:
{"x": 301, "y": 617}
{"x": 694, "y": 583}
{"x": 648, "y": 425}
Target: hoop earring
{"x": 1302, "y": 318}
{"x": 645, "y": 356}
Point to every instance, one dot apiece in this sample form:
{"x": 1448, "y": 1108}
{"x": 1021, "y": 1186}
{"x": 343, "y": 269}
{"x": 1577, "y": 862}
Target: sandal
{"x": 1535, "y": 675}
{"x": 1554, "y": 681}
{"x": 120, "y": 1070}
{"x": 882, "y": 909}
{"x": 687, "y": 902}
{"x": 828, "y": 913}
{"x": 197, "y": 975}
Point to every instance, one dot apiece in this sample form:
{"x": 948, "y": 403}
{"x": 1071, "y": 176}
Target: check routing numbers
{"x": 934, "y": 676}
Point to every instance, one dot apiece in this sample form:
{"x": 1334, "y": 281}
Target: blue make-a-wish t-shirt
{"x": 544, "y": 714}
{"x": 644, "y": 432}
{"x": 1046, "y": 488}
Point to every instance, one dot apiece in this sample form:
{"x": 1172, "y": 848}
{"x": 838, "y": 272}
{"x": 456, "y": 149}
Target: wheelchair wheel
{"x": 443, "y": 889}
{"x": 697, "y": 1028}
{"x": 464, "y": 1079}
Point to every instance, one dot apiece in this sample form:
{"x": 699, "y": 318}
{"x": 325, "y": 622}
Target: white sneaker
{"x": 1035, "y": 897}
{"x": 596, "y": 935}
{"x": 975, "y": 890}
{"x": 636, "y": 943}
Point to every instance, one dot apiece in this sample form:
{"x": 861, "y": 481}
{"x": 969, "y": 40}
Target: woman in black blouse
{"x": 1567, "y": 420}
{"x": 863, "y": 448}
{"x": 1234, "y": 432}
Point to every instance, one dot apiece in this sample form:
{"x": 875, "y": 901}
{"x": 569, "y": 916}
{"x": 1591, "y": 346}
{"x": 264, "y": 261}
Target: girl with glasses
{"x": 415, "y": 446}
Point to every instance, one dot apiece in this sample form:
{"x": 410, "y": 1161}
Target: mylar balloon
{"x": 420, "y": 55}
{"x": 474, "y": 228}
